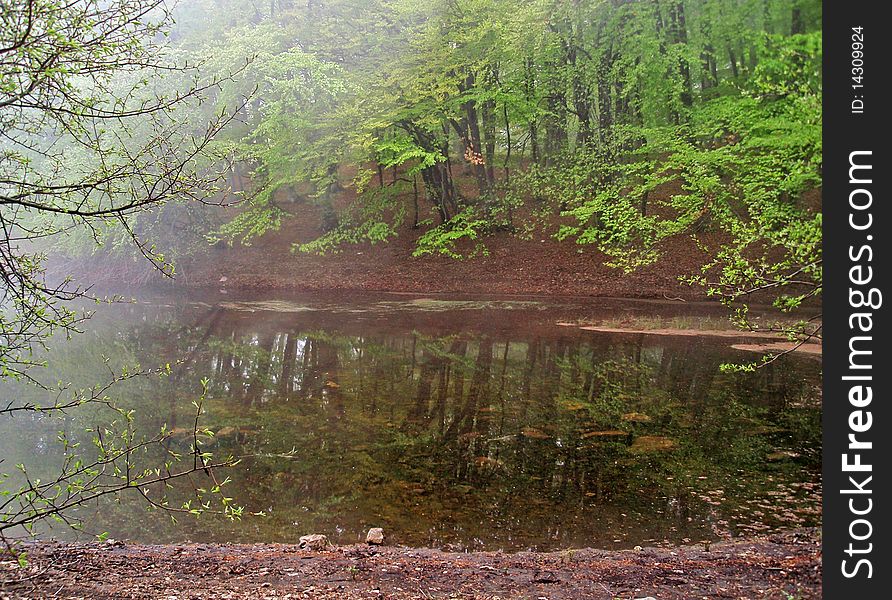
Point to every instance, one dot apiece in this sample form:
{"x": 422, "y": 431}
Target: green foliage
{"x": 453, "y": 237}
{"x": 374, "y": 220}
{"x": 604, "y": 203}
{"x": 586, "y": 110}
{"x": 397, "y": 149}
{"x": 257, "y": 217}
{"x": 789, "y": 66}
{"x": 743, "y": 162}
{"x": 106, "y": 454}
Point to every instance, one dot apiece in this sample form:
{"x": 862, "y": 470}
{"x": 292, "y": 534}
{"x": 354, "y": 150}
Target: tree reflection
{"x": 514, "y": 438}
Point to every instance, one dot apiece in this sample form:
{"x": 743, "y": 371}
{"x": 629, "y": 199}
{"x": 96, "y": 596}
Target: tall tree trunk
{"x": 555, "y": 124}
{"x": 797, "y": 25}
{"x": 469, "y": 131}
{"x": 580, "y": 96}
{"x": 663, "y": 36}
{"x": 680, "y": 31}
{"x": 767, "y": 21}
{"x": 488, "y": 113}
{"x": 507, "y": 146}
{"x": 732, "y": 58}
{"x": 438, "y": 190}
{"x": 332, "y": 187}
{"x": 605, "y": 100}
{"x": 437, "y": 178}
{"x": 753, "y": 59}
{"x": 709, "y": 77}
{"x": 415, "y": 200}
{"x": 531, "y": 95}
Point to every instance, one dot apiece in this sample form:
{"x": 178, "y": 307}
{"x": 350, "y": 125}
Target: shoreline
{"x": 783, "y": 565}
{"x": 540, "y": 265}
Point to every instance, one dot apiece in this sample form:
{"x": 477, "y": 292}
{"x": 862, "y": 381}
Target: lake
{"x": 456, "y": 423}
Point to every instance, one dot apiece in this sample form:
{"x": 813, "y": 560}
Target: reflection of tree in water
{"x": 556, "y": 420}
{"x": 567, "y": 436}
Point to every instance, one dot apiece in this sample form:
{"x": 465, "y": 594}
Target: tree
{"x": 613, "y": 99}
{"x": 95, "y": 120}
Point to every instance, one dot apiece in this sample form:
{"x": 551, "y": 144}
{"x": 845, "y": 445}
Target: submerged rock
{"x": 614, "y": 433}
{"x": 652, "y": 443}
{"x": 485, "y": 462}
{"x": 536, "y": 434}
{"x": 781, "y": 455}
{"x": 375, "y": 536}
{"x": 314, "y": 541}
{"x": 636, "y": 417}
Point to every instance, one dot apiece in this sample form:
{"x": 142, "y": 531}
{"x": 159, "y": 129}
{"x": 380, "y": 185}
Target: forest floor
{"x": 514, "y": 263}
{"x": 540, "y": 266}
{"x": 781, "y": 566}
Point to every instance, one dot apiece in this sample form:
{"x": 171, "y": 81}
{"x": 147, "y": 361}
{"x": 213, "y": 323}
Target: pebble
{"x": 375, "y": 536}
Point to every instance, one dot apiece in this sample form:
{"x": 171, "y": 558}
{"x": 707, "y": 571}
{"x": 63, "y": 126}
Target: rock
{"x": 487, "y": 462}
{"x": 636, "y": 417}
{"x": 536, "y": 434}
{"x": 314, "y": 541}
{"x": 615, "y": 433}
{"x": 782, "y": 455}
{"x": 651, "y": 443}
{"x": 545, "y": 577}
{"x": 180, "y": 432}
{"x": 226, "y": 432}
{"x": 375, "y": 536}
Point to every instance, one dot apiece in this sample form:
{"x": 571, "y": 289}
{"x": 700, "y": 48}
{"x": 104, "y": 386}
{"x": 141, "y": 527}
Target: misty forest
{"x": 470, "y": 275}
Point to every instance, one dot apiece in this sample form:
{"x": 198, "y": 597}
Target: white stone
{"x": 314, "y": 541}
{"x": 375, "y": 536}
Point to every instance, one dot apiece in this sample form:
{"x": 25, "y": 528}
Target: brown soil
{"x": 780, "y": 566}
{"x": 540, "y": 265}
{"x": 513, "y": 266}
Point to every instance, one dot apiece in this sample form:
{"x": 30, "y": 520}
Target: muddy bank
{"x": 510, "y": 265}
{"x": 779, "y": 566}
{"x": 525, "y": 261}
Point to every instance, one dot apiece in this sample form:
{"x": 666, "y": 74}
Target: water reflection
{"x": 466, "y": 426}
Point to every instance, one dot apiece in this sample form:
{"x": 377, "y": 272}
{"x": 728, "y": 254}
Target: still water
{"x": 453, "y": 423}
